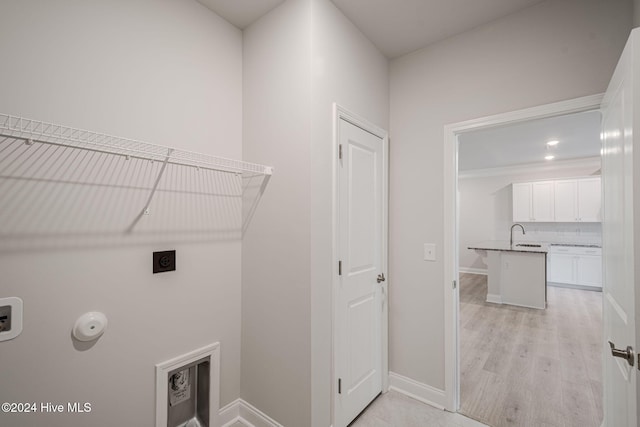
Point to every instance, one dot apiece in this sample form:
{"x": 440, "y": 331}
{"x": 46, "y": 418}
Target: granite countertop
{"x": 502, "y": 245}
{"x": 579, "y": 245}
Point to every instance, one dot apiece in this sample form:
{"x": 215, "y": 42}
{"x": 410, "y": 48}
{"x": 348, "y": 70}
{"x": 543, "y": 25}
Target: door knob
{"x": 627, "y": 354}
{"x": 381, "y": 278}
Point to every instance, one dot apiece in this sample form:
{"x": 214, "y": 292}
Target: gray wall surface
{"x": 298, "y": 60}
{"x": 553, "y": 51}
{"x": 163, "y": 71}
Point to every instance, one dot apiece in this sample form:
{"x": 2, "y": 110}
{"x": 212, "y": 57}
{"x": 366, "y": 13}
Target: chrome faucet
{"x": 514, "y": 225}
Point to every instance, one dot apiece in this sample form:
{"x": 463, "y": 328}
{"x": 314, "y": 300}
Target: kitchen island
{"x": 517, "y": 274}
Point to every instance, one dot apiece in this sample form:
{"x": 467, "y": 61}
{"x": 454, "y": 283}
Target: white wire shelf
{"x": 61, "y": 185}
{"x": 48, "y": 133}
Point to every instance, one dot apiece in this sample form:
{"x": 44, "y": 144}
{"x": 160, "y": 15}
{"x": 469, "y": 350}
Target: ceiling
{"x": 241, "y": 13}
{"x": 526, "y": 142}
{"x": 396, "y": 27}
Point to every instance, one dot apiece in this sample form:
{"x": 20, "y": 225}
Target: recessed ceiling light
{"x": 549, "y": 157}
{"x": 553, "y": 143}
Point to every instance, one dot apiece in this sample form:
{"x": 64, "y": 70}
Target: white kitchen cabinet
{"x": 533, "y": 201}
{"x": 522, "y": 202}
{"x": 561, "y": 268}
{"x": 589, "y": 270}
{"x": 566, "y": 200}
{"x": 589, "y": 200}
{"x": 542, "y": 201}
{"x": 571, "y": 265}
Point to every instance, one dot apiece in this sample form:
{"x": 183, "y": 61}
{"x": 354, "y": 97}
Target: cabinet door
{"x": 566, "y": 200}
{"x": 561, "y": 268}
{"x": 522, "y": 202}
{"x": 542, "y": 201}
{"x": 589, "y": 270}
{"x": 589, "y": 200}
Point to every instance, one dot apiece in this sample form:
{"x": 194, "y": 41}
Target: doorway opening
{"x": 509, "y": 364}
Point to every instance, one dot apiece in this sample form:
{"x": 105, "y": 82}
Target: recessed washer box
{"x": 188, "y": 389}
{"x": 10, "y": 318}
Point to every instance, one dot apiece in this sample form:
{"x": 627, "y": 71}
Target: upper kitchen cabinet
{"x": 533, "y": 202}
{"x": 566, "y": 200}
{"x": 589, "y": 200}
{"x": 577, "y": 200}
{"x": 542, "y": 206}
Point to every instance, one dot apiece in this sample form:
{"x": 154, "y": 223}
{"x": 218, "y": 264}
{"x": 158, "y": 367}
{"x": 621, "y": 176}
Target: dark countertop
{"x": 577, "y": 245}
{"x": 501, "y": 245}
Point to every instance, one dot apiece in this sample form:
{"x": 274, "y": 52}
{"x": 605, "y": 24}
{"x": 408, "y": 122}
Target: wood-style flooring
{"x": 526, "y": 367}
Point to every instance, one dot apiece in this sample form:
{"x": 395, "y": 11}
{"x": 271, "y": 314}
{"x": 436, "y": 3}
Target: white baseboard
{"x": 496, "y": 299}
{"x": 230, "y": 414}
{"x": 250, "y": 416}
{"x": 253, "y": 417}
{"x": 246, "y": 414}
{"x": 471, "y": 270}
{"x": 416, "y": 390}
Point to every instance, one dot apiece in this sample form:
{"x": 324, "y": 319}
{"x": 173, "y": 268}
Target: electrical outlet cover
{"x": 11, "y": 309}
{"x": 164, "y": 261}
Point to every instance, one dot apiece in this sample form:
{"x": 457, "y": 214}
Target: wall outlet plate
{"x": 10, "y": 318}
{"x": 164, "y": 261}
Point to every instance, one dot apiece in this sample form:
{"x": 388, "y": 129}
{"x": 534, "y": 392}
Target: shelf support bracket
{"x": 145, "y": 209}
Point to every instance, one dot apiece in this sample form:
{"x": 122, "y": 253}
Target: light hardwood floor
{"x": 393, "y": 409}
{"x": 527, "y": 367}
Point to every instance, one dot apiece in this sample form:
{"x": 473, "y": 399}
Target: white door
{"x": 359, "y": 294}
{"x": 620, "y": 162}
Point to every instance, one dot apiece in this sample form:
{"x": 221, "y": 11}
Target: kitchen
{"x": 530, "y": 261}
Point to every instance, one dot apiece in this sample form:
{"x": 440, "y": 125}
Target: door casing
{"x": 451, "y": 241}
{"x": 341, "y": 113}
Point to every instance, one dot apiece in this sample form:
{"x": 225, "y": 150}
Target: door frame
{"x": 451, "y": 238}
{"x": 341, "y": 113}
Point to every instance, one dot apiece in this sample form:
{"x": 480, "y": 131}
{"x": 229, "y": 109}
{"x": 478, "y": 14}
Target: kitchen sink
{"x": 529, "y": 245}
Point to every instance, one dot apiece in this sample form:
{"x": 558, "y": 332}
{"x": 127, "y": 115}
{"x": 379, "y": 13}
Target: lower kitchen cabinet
{"x": 575, "y": 265}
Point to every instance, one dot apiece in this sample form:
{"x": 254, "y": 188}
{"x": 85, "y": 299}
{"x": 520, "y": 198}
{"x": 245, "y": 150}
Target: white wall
{"x": 276, "y": 295}
{"x": 553, "y": 51}
{"x": 299, "y": 59}
{"x": 349, "y": 70}
{"x": 163, "y": 71}
{"x": 486, "y": 210}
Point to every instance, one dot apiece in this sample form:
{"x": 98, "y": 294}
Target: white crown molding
{"x": 562, "y": 165}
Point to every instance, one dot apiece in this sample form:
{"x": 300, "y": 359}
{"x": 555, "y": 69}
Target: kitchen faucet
{"x": 514, "y": 225}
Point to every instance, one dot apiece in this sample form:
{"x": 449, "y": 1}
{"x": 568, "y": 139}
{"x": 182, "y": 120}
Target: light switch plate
{"x": 429, "y": 251}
